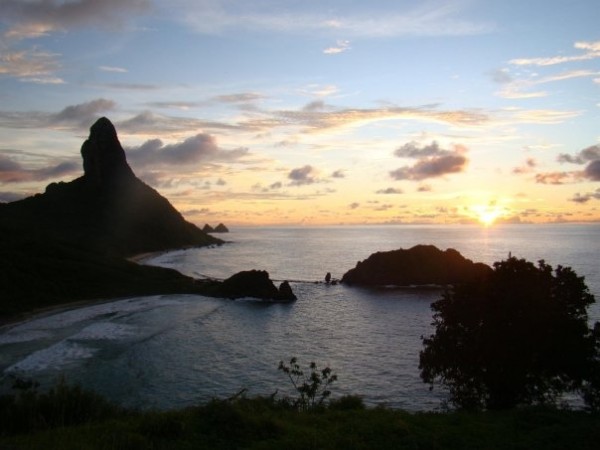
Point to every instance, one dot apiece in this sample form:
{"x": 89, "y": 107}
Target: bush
{"x": 521, "y": 336}
{"x": 313, "y": 389}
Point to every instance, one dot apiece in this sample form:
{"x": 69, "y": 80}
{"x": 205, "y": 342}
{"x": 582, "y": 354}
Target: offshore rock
{"x": 221, "y": 229}
{"x": 419, "y": 265}
{"x": 208, "y": 229}
{"x": 252, "y": 283}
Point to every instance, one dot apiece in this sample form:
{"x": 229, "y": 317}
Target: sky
{"x": 329, "y": 112}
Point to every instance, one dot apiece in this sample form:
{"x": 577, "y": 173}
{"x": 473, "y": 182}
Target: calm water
{"x": 173, "y": 351}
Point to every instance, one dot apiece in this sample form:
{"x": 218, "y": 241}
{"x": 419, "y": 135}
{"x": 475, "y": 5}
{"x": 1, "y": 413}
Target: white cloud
{"x": 113, "y": 69}
{"x": 429, "y": 18}
{"x": 519, "y": 88}
{"x": 340, "y": 47}
{"x": 592, "y": 52}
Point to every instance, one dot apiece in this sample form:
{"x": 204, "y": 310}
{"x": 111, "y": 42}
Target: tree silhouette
{"x": 521, "y": 336}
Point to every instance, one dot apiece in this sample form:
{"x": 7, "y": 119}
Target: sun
{"x": 487, "y": 215}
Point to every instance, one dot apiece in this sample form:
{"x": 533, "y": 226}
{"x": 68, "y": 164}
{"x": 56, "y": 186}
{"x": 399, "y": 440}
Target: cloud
{"x": 113, "y": 69}
{"x": 354, "y": 205}
{"x": 316, "y": 120}
{"x": 73, "y": 117}
{"x": 592, "y": 171}
{"x": 519, "y": 88}
{"x": 412, "y": 150}
{"x": 584, "y": 198}
{"x": 527, "y": 167}
{"x": 148, "y": 122}
{"x": 424, "y": 188}
{"x": 303, "y": 175}
{"x": 243, "y": 97}
{"x": 32, "y": 66}
{"x": 340, "y": 47}
{"x": 390, "y": 190}
{"x": 433, "y": 161}
{"x": 552, "y": 177}
{"x": 592, "y": 51}
{"x": 584, "y": 156}
{"x": 83, "y": 113}
{"x": 196, "y": 149}
{"x": 35, "y": 18}
{"x": 426, "y": 19}
{"x": 544, "y": 116}
{"x": 338, "y": 174}
{"x": 13, "y": 172}
{"x": 589, "y": 156}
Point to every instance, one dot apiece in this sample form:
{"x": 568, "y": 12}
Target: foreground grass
{"x": 70, "y": 418}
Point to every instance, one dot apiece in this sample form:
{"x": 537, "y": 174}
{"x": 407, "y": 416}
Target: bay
{"x": 175, "y": 351}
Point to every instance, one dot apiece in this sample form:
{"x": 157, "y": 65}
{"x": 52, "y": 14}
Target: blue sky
{"x": 306, "y": 112}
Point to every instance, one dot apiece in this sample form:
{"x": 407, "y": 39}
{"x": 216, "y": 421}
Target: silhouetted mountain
{"x": 419, "y": 265}
{"x": 69, "y": 243}
{"x": 108, "y": 209}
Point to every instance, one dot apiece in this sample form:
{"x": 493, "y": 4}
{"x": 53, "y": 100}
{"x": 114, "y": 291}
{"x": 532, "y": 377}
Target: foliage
{"x": 313, "y": 389}
{"x": 520, "y": 336}
{"x": 29, "y": 410}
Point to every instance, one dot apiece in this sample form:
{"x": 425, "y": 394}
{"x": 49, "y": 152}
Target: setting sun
{"x": 487, "y": 215}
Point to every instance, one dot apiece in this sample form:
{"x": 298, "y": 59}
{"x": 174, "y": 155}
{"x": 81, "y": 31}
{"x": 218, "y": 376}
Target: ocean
{"x": 178, "y": 350}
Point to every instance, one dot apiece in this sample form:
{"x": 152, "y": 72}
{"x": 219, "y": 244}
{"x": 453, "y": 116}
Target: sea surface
{"x": 177, "y": 350}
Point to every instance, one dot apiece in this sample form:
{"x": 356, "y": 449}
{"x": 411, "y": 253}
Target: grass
{"x": 68, "y": 417}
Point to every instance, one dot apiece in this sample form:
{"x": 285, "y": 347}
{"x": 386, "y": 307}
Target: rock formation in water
{"x": 249, "y": 283}
{"x": 107, "y": 210}
{"x": 419, "y": 265}
{"x": 221, "y": 228}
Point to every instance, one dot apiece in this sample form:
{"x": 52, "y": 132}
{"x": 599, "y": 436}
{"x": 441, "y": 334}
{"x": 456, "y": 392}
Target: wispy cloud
{"x": 584, "y": 198}
{"x": 34, "y": 18}
{"x": 33, "y": 66}
{"x": 522, "y": 88}
{"x": 317, "y": 120}
{"x": 74, "y": 117}
{"x": 113, "y": 69}
{"x": 13, "y": 172}
{"x": 340, "y": 47}
{"x": 430, "y": 18}
{"x": 591, "y": 51}
{"x": 23, "y": 20}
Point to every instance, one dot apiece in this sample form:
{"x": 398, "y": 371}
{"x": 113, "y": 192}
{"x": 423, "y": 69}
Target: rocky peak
{"x": 103, "y": 157}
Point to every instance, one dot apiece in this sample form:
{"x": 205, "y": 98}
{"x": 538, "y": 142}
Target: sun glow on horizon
{"x": 487, "y": 214}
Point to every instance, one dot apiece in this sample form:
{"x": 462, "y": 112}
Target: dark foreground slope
{"x": 91, "y": 423}
{"x": 70, "y": 242}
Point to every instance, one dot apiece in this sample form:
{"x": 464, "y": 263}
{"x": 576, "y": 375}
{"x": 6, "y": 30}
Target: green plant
{"x": 313, "y": 389}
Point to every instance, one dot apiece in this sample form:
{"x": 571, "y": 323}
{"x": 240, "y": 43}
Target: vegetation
{"x": 519, "y": 337}
{"x": 70, "y": 418}
{"x": 313, "y": 389}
